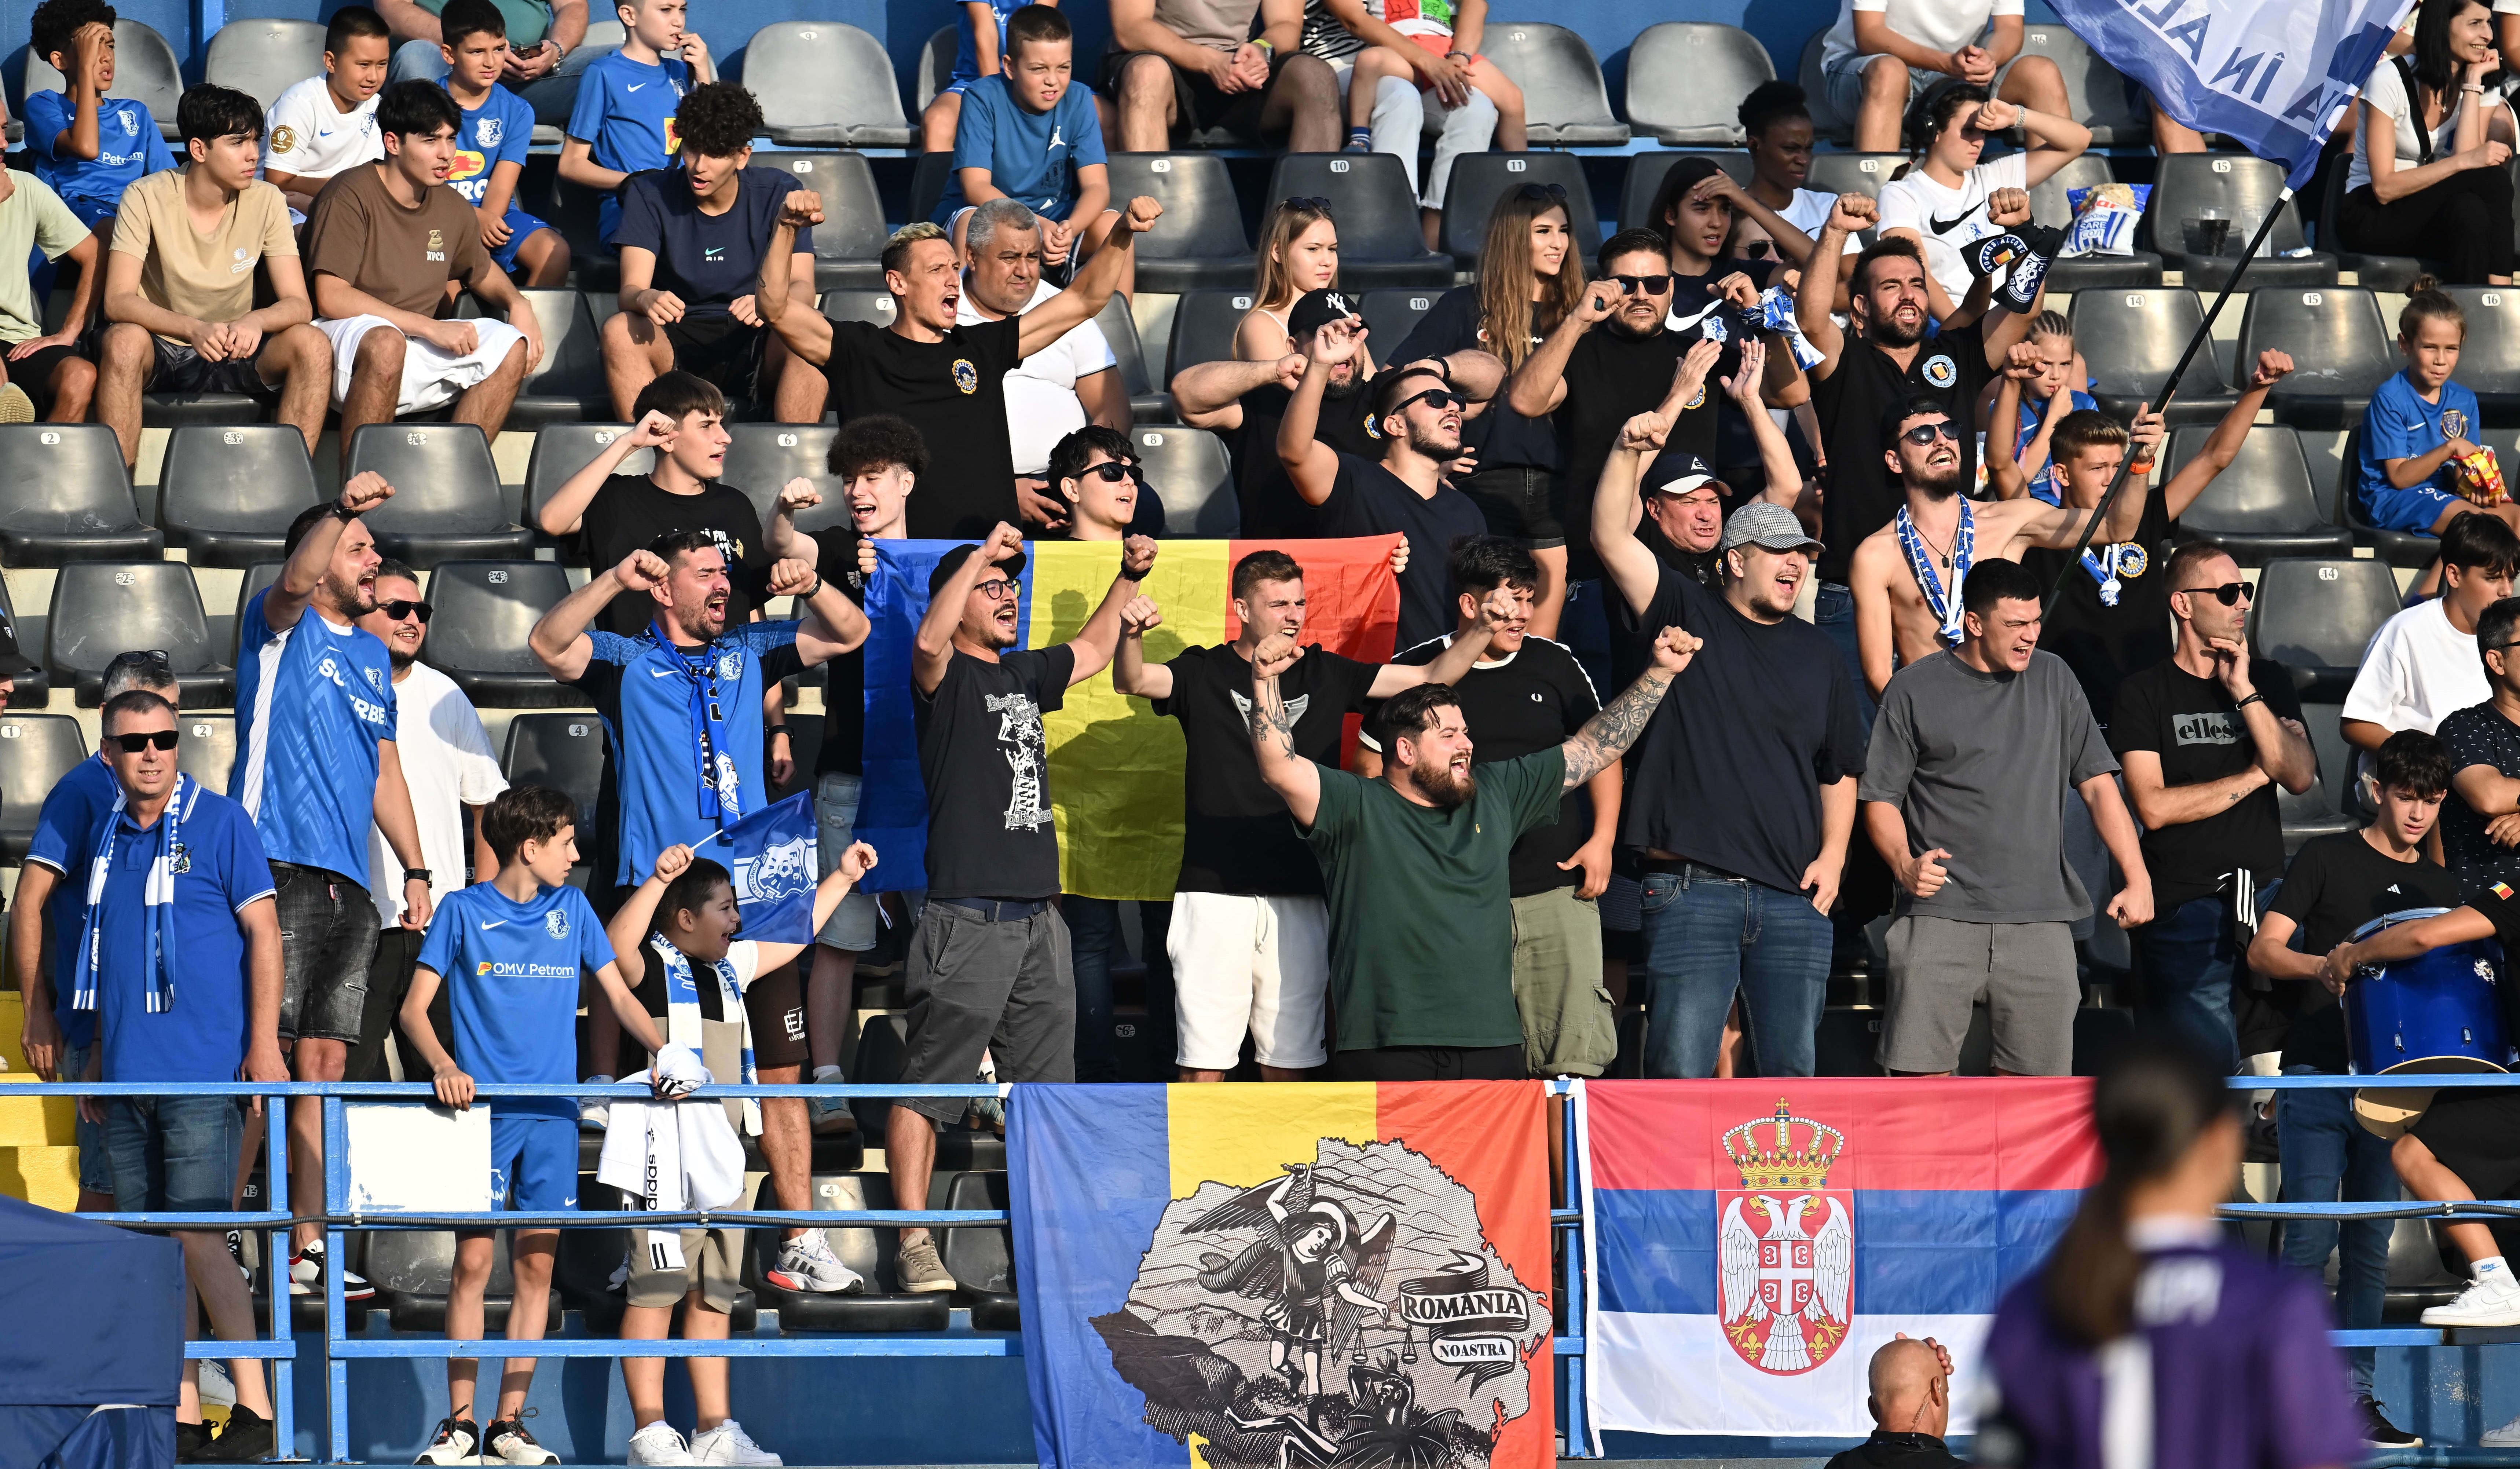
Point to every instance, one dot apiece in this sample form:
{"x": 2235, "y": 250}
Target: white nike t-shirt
{"x": 1950, "y": 220}
{"x": 305, "y": 134}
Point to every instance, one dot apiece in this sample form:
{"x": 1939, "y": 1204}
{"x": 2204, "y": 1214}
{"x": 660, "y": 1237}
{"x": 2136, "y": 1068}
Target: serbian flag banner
{"x": 1115, "y": 767}
{"x": 1245, "y": 1276}
{"x": 1754, "y": 1242}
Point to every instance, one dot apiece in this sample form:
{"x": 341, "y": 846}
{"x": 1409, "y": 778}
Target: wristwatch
{"x": 416, "y": 874}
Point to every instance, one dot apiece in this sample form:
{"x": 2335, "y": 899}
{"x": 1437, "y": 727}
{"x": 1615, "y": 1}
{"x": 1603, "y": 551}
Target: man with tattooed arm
{"x": 1421, "y": 925}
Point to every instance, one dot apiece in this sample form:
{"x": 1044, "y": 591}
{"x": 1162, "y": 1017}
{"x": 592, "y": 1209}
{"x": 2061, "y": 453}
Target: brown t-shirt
{"x": 206, "y": 277}
{"x": 403, "y": 257}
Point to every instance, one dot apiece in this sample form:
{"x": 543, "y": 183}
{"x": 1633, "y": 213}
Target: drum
{"x": 2438, "y": 1011}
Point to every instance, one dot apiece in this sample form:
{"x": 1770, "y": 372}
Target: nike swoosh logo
{"x": 660, "y": 673}
{"x": 501, "y": 922}
{"x": 713, "y": 252}
{"x": 1946, "y": 226}
{"x": 634, "y": 86}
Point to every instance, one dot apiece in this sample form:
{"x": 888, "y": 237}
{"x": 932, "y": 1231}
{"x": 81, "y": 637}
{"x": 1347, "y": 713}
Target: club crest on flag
{"x": 1784, "y": 1244}
{"x": 778, "y": 873}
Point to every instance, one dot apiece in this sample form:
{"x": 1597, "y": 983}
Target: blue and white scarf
{"x": 2108, "y": 564}
{"x": 721, "y": 783}
{"x": 683, "y": 1013}
{"x": 1946, "y": 607}
{"x": 165, "y": 863}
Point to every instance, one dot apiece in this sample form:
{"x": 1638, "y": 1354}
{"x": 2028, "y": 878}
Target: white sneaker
{"x": 2505, "y": 1437}
{"x": 593, "y": 1113}
{"x": 729, "y": 1444}
{"x": 218, "y": 1390}
{"x": 2494, "y": 1302}
{"x": 658, "y": 1443}
{"x": 807, "y": 1264}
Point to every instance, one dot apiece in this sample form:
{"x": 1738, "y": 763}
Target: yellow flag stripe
{"x": 1241, "y": 1133}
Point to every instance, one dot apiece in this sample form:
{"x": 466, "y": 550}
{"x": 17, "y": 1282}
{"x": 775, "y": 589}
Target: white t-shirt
{"x": 305, "y": 134}
{"x": 1950, "y": 220}
{"x": 448, "y": 765}
{"x": 1936, "y": 25}
{"x": 1042, "y": 406}
{"x": 2387, "y": 91}
{"x": 2419, "y": 671}
{"x": 1809, "y": 212}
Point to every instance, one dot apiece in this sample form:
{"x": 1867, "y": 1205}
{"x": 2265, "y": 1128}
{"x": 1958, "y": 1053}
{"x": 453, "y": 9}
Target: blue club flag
{"x": 2275, "y": 75}
{"x": 770, "y": 854}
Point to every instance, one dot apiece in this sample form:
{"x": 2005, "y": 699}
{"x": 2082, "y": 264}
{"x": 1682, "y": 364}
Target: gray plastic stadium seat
{"x": 564, "y": 751}
{"x": 1563, "y": 97}
{"x": 875, "y": 307}
{"x": 477, "y": 636}
{"x": 2262, "y": 507}
{"x": 1480, "y": 180}
{"x": 2488, "y": 360}
{"x": 1146, "y": 403}
{"x": 981, "y": 1257}
{"x": 1646, "y": 171}
{"x": 761, "y": 458}
{"x": 2325, "y": 808}
{"x": 936, "y": 64}
{"x": 414, "y": 1270}
{"x": 447, "y": 502}
{"x": 2244, "y": 188}
{"x": 2378, "y": 272}
{"x": 1825, "y": 123}
{"x": 1391, "y": 315}
{"x": 2131, "y": 340}
{"x": 146, "y": 71}
{"x": 1685, "y": 77}
{"x": 2341, "y": 353}
{"x": 848, "y": 245}
{"x": 263, "y": 56}
{"x": 870, "y": 1252}
{"x": 35, "y": 752}
{"x": 2113, "y": 108}
{"x": 2316, "y": 616}
{"x": 101, "y": 608}
{"x": 1851, "y": 173}
{"x": 2406, "y": 550}
{"x": 258, "y": 577}
{"x": 929, "y": 173}
{"x": 1203, "y": 322}
{"x": 1380, "y": 239}
{"x": 568, "y": 383}
{"x": 33, "y": 690}
{"x": 559, "y": 451}
{"x": 65, "y": 496}
{"x": 1192, "y": 474}
{"x": 2051, "y": 204}
{"x": 226, "y": 494}
{"x": 820, "y": 81}
{"x": 207, "y": 749}
{"x": 1200, "y": 243}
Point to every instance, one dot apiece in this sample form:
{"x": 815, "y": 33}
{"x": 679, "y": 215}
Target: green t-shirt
{"x": 526, "y": 19}
{"x": 33, "y": 218}
{"x": 1422, "y": 905}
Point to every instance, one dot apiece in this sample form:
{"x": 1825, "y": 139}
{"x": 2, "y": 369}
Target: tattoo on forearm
{"x": 1607, "y": 735}
{"x": 1273, "y": 727}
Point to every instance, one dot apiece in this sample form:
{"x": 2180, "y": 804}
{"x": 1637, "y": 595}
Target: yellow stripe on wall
{"x": 1115, "y": 767}
{"x": 1245, "y": 1132}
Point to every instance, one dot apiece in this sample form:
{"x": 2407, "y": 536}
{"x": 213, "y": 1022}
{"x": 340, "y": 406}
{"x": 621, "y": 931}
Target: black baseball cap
{"x": 14, "y": 664}
{"x": 952, "y": 561}
{"x": 1315, "y": 309}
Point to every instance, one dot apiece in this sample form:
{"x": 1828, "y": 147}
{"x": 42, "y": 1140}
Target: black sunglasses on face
{"x": 1535, "y": 193}
{"x": 1113, "y": 471}
{"x": 400, "y": 608}
{"x": 1925, "y": 434}
{"x": 1438, "y": 398}
{"x": 1756, "y": 249}
{"x": 133, "y": 743}
{"x": 153, "y": 658}
{"x": 1307, "y": 202}
{"x": 1649, "y": 284}
{"x": 2229, "y": 593}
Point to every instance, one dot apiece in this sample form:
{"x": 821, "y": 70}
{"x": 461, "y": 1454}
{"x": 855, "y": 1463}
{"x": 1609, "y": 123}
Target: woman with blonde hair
{"x": 1298, "y": 255}
{"x": 1531, "y": 275}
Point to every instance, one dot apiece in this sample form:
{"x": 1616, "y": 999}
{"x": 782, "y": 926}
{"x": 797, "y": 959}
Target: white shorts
{"x": 430, "y": 377}
{"x": 1244, "y": 963}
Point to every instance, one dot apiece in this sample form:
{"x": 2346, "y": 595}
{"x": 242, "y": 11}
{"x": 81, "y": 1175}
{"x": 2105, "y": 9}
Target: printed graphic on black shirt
{"x": 1028, "y": 753}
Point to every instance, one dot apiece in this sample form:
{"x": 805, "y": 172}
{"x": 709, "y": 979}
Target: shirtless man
{"x": 1906, "y": 576}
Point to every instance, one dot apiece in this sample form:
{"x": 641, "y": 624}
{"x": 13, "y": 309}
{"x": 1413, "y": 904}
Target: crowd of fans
{"x": 1723, "y": 551}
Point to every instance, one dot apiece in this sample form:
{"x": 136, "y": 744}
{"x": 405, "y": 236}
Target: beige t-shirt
{"x": 206, "y": 277}
{"x": 32, "y": 217}
{"x": 403, "y": 257}
{"x": 1222, "y": 24}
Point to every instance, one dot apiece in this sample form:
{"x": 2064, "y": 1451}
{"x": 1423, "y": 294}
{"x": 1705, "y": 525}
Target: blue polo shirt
{"x": 1031, "y": 157}
{"x": 510, "y": 971}
{"x": 127, "y": 145}
{"x": 643, "y": 690}
{"x": 219, "y": 870}
{"x": 2401, "y": 425}
{"x": 313, "y": 704}
{"x": 66, "y": 842}
{"x": 625, "y": 109}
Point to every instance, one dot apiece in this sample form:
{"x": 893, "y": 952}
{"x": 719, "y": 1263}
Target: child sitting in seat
{"x": 1031, "y": 134}
{"x": 326, "y": 125}
{"x": 623, "y": 121}
{"x": 88, "y": 146}
{"x": 490, "y": 144}
{"x": 2045, "y": 398}
{"x": 2417, "y": 467}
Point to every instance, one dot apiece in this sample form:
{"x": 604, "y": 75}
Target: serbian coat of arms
{"x": 1784, "y": 1244}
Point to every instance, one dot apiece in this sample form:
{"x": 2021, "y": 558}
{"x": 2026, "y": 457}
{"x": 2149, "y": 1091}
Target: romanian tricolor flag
{"x": 1245, "y": 1276}
{"x": 1754, "y": 1243}
{"x": 1115, "y": 767}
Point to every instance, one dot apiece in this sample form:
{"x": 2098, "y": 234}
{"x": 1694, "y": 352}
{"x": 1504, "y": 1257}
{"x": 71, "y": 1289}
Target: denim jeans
{"x": 174, "y": 1155}
{"x": 2330, "y": 1158}
{"x": 1833, "y": 612}
{"x": 2189, "y": 958}
{"x": 1707, "y": 938}
{"x": 1094, "y": 930}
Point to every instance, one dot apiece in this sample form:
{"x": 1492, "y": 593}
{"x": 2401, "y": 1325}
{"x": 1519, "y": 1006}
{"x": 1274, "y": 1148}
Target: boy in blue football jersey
{"x": 2420, "y": 424}
{"x": 491, "y": 145}
{"x": 1032, "y": 135}
{"x": 623, "y": 121}
{"x": 510, "y": 951}
{"x": 88, "y": 146}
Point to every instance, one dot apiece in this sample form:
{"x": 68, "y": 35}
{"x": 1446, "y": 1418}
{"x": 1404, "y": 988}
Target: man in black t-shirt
{"x": 2204, "y": 738}
{"x": 2335, "y": 885}
{"x": 1250, "y": 940}
{"x": 2478, "y": 836}
{"x": 1523, "y": 695}
{"x": 945, "y": 379}
{"x": 989, "y": 963}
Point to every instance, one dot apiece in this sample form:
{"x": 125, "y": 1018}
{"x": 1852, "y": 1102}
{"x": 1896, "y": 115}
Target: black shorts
{"x": 1198, "y": 105}
{"x": 180, "y": 369}
{"x": 773, "y": 1002}
{"x": 2475, "y": 1133}
{"x": 34, "y": 372}
{"x": 722, "y": 350}
{"x": 1518, "y": 501}
{"x": 1431, "y": 1062}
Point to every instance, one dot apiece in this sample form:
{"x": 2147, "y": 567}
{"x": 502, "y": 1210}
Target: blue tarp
{"x": 95, "y": 1315}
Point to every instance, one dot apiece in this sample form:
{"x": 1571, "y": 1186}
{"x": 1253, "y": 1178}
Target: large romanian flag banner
{"x": 1245, "y": 1276}
{"x": 1115, "y": 767}
{"x": 1755, "y": 1242}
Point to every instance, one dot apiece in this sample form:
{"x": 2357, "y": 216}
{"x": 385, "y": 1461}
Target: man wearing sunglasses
{"x": 2206, "y": 737}
{"x": 452, "y": 772}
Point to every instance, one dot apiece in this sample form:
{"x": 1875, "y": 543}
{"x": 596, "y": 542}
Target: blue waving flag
{"x": 770, "y": 854}
{"x": 2274, "y": 75}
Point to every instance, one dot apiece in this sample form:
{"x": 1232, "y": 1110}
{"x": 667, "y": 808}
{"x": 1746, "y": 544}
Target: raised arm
{"x": 932, "y": 646}
{"x": 1094, "y": 643}
{"x": 1209, "y": 394}
{"x": 559, "y": 640}
{"x": 1091, "y": 291}
{"x": 636, "y": 918}
{"x": 1311, "y": 464}
{"x": 833, "y": 625}
{"x": 1296, "y": 780}
{"x": 1776, "y": 451}
{"x": 303, "y": 571}
{"x": 1538, "y": 386}
{"x": 2223, "y": 445}
{"x": 1634, "y": 571}
{"x": 564, "y": 513}
{"x": 1131, "y": 674}
{"x": 856, "y": 860}
{"x": 1606, "y": 736}
{"x": 808, "y": 334}
{"x": 1816, "y": 296}
{"x": 1500, "y": 607}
